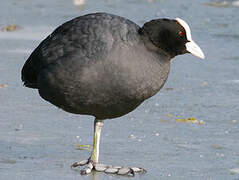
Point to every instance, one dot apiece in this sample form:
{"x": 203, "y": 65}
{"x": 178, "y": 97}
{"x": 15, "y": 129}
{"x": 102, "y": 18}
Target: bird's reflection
{"x": 95, "y": 175}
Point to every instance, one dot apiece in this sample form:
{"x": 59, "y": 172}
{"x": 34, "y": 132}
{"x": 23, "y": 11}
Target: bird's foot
{"x": 87, "y": 169}
{"x": 119, "y": 170}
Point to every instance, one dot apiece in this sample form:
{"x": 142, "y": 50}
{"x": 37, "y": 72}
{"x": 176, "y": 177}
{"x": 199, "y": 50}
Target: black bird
{"x": 105, "y": 66}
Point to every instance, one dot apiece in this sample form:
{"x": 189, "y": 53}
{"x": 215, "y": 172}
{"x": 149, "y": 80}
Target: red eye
{"x": 180, "y": 33}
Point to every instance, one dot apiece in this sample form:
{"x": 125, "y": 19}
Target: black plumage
{"x": 105, "y": 66}
{"x": 97, "y": 64}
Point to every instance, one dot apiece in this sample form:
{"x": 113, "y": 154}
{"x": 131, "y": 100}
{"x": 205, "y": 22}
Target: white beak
{"x": 191, "y": 46}
{"x": 194, "y": 49}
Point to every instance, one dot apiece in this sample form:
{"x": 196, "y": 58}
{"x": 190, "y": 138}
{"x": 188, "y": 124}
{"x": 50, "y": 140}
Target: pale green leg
{"x": 98, "y": 124}
{"x": 94, "y": 159}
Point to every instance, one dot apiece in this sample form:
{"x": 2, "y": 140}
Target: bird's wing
{"x": 90, "y": 37}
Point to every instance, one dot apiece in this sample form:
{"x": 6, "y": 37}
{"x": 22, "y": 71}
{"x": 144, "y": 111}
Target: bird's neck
{"x": 151, "y": 46}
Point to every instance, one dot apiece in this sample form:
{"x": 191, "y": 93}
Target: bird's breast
{"x": 131, "y": 75}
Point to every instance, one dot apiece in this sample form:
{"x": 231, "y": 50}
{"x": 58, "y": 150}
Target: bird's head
{"x": 172, "y": 36}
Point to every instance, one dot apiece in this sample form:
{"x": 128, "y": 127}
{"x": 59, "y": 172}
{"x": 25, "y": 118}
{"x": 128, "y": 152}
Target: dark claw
{"x": 81, "y": 163}
{"x": 131, "y": 172}
{"x": 143, "y": 171}
{"x": 83, "y": 172}
{"x": 75, "y": 165}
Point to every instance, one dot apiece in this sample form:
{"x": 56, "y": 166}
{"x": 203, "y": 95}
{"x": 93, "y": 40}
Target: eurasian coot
{"x": 105, "y": 66}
